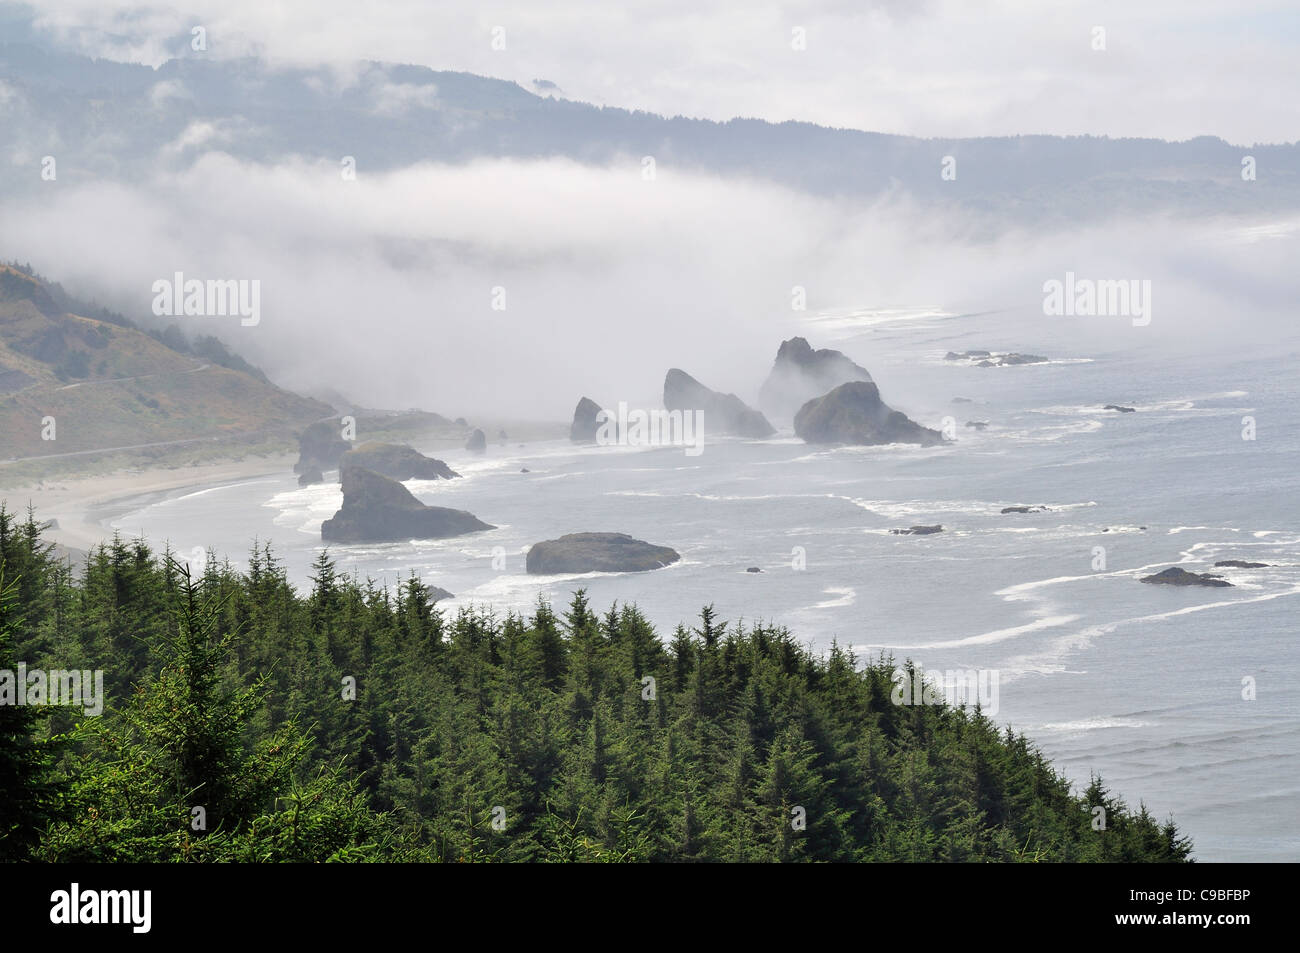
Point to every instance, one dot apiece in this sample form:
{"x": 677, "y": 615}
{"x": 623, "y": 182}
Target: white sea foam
{"x": 844, "y": 596}
{"x": 986, "y": 638}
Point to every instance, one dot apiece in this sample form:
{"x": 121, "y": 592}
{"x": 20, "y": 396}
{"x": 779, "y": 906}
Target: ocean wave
{"x": 900, "y": 509}
{"x": 1090, "y": 724}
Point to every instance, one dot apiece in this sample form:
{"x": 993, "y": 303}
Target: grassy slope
{"x": 135, "y": 389}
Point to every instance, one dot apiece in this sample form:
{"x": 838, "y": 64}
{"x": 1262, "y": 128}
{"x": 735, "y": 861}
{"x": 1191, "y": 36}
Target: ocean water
{"x": 1142, "y": 684}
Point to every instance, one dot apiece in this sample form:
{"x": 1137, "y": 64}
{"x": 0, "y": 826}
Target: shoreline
{"x": 83, "y": 506}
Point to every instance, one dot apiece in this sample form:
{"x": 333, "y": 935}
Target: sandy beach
{"x": 82, "y": 507}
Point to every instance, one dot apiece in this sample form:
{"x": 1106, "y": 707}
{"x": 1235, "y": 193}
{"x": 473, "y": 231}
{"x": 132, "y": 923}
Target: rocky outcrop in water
{"x": 585, "y": 422}
{"x": 918, "y": 530}
{"x": 723, "y": 413}
{"x": 395, "y": 461}
{"x": 477, "y": 442}
{"x": 992, "y": 359}
{"x": 319, "y": 447}
{"x": 377, "y": 509}
{"x": 1025, "y": 509}
{"x": 1122, "y": 410}
{"x": 1174, "y": 576}
{"x": 597, "y": 552}
{"x": 800, "y": 374}
{"x": 853, "y": 413}
{"x": 1239, "y": 564}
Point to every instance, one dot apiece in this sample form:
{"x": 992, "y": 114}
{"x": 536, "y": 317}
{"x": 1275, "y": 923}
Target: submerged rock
{"x": 853, "y": 413}
{"x": 1025, "y": 509}
{"x": 1239, "y": 564}
{"x": 723, "y": 413}
{"x": 978, "y": 424}
{"x": 1122, "y": 410}
{"x": 800, "y": 374}
{"x": 597, "y": 552}
{"x": 918, "y": 530}
{"x": 378, "y": 509}
{"x": 395, "y": 461}
{"x": 1174, "y": 576}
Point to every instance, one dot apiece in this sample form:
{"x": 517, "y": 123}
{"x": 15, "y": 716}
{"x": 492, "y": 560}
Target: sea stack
{"x": 853, "y": 413}
{"x": 723, "y": 413}
{"x": 799, "y": 374}
{"x": 378, "y": 509}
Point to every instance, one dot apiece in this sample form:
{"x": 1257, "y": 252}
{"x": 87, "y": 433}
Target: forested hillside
{"x": 231, "y": 731}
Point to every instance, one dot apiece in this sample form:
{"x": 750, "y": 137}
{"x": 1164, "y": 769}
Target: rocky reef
{"x": 1174, "y": 576}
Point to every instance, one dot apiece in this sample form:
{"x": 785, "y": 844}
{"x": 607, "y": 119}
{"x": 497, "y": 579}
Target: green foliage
{"x": 579, "y": 737}
{"x": 29, "y": 794}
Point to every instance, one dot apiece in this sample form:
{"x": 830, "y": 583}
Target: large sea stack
{"x": 853, "y": 413}
{"x": 377, "y": 509}
{"x": 800, "y": 374}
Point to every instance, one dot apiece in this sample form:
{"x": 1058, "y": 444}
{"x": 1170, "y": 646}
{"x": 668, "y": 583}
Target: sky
{"x": 1172, "y": 69}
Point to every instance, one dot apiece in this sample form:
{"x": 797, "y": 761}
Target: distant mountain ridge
{"x": 272, "y": 114}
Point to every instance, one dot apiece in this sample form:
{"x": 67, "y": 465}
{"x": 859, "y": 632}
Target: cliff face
{"x": 723, "y": 413}
{"x": 800, "y": 374}
{"x": 854, "y": 413}
{"x": 377, "y": 509}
